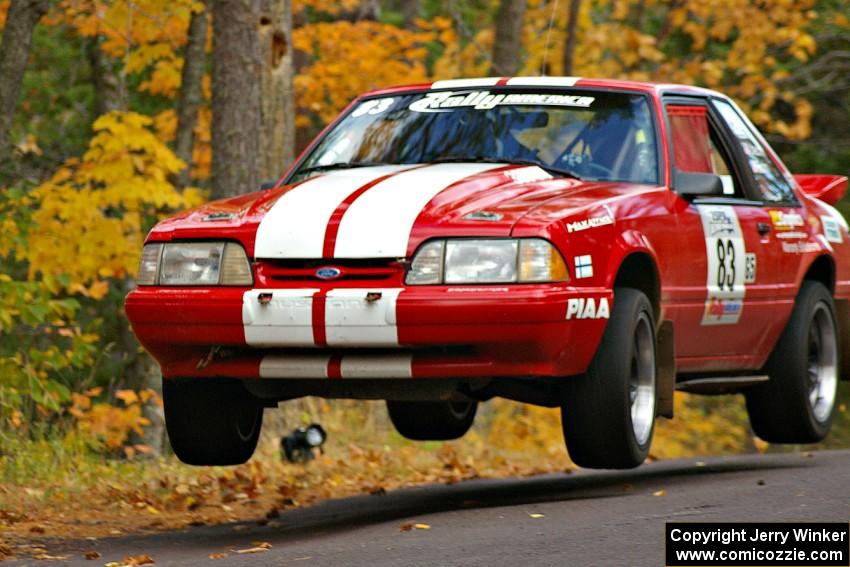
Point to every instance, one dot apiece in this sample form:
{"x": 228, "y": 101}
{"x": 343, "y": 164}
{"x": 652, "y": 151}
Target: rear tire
{"x": 432, "y": 421}
{"x": 608, "y": 416}
{"x": 797, "y": 404}
{"x": 211, "y": 421}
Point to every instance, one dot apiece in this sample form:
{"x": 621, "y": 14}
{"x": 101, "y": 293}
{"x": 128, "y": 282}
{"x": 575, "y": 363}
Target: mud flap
{"x": 666, "y": 376}
{"x": 842, "y": 312}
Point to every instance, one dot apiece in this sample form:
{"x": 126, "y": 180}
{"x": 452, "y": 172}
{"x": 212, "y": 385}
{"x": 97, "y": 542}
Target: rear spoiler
{"x": 827, "y": 188}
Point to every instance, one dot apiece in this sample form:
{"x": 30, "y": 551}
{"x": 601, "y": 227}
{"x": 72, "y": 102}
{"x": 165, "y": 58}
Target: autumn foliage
{"x": 87, "y": 186}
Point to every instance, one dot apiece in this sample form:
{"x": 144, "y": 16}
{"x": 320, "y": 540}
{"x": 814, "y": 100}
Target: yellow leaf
{"x": 129, "y": 397}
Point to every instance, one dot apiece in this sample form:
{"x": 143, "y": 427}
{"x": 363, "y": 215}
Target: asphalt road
{"x": 588, "y": 518}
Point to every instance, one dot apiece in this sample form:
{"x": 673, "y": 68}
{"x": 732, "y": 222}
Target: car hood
{"x": 387, "y": 211}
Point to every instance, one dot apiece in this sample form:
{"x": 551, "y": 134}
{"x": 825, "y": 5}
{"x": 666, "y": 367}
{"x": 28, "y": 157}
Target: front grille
{"x": 350, "y": 269}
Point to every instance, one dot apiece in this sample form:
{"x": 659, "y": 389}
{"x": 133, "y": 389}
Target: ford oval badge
{"x": 328, "y": 273}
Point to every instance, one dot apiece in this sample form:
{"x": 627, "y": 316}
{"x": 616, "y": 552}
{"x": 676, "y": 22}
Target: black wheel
{"x": 798, "y": 402}
{"x": 608, "y": 415}
{"x": 432, "y": 421}
{"x": 211, "y": 421}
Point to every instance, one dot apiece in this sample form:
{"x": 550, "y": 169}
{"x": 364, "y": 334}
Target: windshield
{"x": 589, "y": 134}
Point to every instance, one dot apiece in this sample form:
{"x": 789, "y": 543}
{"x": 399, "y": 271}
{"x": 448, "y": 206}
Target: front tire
{"x": 608, "y": 416}
{"x": 211, "y": 421}
{"x": 432, "y": 421}
{"x": 797, "y": 404}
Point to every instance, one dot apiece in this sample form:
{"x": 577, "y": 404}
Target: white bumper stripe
{"x": 378, "y": 223}
{"x": 286, "y": 320}
{"x": 294, "y": 366}
{"x": 352, "y": 366}
{"x": 295, "y": 225}
{"x": 377, "y": 366}
{"x": 350, "y": 320}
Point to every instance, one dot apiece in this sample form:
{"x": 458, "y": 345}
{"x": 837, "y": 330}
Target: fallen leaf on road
{"x": 659, "y": 493}
{"x": 91, "y": 555}
{"x": 405, "y": 527}
{"x": 217, "y": 555}
{"x": 422, "y": 527}
{"x": 48, "y": 557}
{"x": 259, "y": 547}
{"x": 135, "y": 560}
{"x": 535, "y": 515}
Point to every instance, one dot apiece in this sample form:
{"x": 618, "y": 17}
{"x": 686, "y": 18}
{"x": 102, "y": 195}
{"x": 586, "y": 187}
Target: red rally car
{"x": 592, "y": 245}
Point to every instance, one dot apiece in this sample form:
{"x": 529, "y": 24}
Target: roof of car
{"x": 547, "y": 81}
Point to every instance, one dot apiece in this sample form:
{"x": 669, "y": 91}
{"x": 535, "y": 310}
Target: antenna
{"x": 548, "y": 36}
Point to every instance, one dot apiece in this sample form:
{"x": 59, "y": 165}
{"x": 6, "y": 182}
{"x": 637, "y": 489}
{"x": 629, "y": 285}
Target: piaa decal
{"x": 588, "y": 308}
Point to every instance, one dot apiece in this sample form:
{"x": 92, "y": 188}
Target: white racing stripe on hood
{"x": 295, "y": 225}
{"x": 378, "y": 223}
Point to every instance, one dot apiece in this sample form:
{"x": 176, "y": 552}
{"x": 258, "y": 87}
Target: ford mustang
{"x": 590, "y": 245}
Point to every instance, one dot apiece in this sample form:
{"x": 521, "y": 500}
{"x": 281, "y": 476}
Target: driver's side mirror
{"x": 689, "y": 184}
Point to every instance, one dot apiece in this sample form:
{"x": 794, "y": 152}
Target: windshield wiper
{"x": 340, "y": 165}
{"x": 517, "y": 161}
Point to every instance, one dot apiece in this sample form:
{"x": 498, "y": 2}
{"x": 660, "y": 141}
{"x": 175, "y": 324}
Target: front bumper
{"x": 370, "y": 332}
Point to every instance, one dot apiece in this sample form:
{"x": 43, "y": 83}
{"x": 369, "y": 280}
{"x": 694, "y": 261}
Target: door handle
{"x": 763, "y": 228}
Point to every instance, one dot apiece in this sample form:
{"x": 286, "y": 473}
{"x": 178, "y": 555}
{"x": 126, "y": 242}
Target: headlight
{"x": 194, "y": 263}
{"x": 460, "y": 261}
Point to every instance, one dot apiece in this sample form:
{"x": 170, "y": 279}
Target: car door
{"x": 724, "y": 297}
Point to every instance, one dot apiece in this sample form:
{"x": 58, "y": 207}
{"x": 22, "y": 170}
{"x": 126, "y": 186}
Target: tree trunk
{"x": 277, "y": 138}
{"x": 194, "y": 59}
{"x": 570, "y": 44}
{"x": 109, "y": 91}
{"x": 508, "y": 40}
{"x": 410, "y": 10}
{"x": 236, "y": 102}
{"x": 21, "y": 19}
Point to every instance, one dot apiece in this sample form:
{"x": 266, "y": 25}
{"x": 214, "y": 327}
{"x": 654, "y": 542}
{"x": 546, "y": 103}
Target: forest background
{"x": 116, "y": 113}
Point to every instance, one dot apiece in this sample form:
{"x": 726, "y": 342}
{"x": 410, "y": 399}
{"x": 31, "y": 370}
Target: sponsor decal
{"x": 591, "y": 222}
{"x": 791, "y": 235}
{"x": 718, "y": 308}
{"x": 446, "y": 101}
{"x": 374, "y": 106}
{"x": 588, "y": 308}
{"x": 727, "y": 265}
{"x": 750, "y": 268}
{"x": 720, "y": 223}
{"x": 786, "y": 221}
{"x": 831, "y": 230}
{"x": 584, "y": 267}
{"x": 800, "y": 247}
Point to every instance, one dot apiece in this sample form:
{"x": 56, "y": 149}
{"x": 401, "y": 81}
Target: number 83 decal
{"x": 725, "y": 272}
{"x": 727, "y": 265}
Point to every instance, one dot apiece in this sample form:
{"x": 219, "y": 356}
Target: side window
{"x": 694, "y": 147}
{"x": 770, "y": 181}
